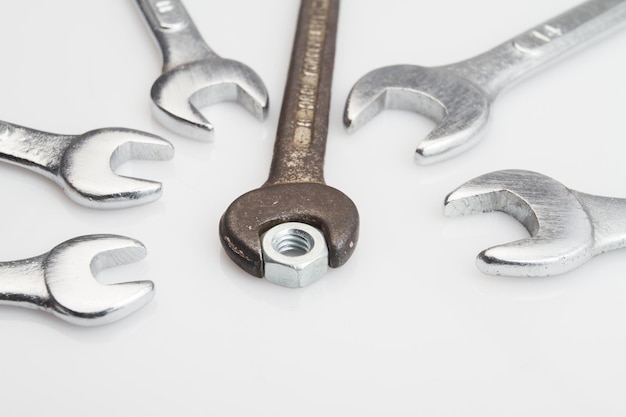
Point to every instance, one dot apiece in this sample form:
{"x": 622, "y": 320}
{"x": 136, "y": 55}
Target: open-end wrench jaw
{"x": 460, "y": 109}
{"x": 62, "y": 281}
{"x": 84, "y": 165}
{"x": 458, "y": 96}
{"x": 78, "y": 298}
{"x": 87, "y": 169}
{"x": 194, "y": 76}
{"x": 319, "y": 205}
{"x": 178, "y": 95}
{"x": 562, "y": 233}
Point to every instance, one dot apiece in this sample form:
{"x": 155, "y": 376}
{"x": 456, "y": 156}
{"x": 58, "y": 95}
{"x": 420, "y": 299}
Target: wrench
{"x": 291, "y": 207}
{"x": 193, "y": 75}
{"x": 61, "y": 282}
{"x": 458, "y": 96}
{"x": 567, "y": 227}
{"x": 83, "y": 164}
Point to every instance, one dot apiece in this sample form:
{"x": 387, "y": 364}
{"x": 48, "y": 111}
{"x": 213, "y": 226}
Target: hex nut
{"x": 294, "y": 254}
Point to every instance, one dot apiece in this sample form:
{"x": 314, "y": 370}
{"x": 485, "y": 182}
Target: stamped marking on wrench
{"x": 458, "y": 96}
{"x": 193, "y": 75}
{"x": 295, "y": 196}
{"x": 61, "y": 281}
{"x": 567, "y": 227}
{"x": 83, "y": 165}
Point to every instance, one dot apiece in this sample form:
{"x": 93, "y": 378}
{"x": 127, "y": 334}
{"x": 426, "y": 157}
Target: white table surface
{"x": 408, "y": 326}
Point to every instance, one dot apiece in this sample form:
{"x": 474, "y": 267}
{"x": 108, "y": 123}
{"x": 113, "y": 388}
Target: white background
{"x": 408, "y": 326}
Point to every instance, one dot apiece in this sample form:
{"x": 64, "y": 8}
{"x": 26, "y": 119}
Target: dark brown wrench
{"x": 288, "y": 212}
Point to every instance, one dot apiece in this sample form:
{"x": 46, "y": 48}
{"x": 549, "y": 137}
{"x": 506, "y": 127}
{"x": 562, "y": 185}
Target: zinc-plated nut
{"x": 294, "y": 254}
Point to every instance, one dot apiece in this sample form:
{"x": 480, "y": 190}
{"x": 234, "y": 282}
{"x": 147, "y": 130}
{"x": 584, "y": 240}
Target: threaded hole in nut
{"x": 293, "y": 242}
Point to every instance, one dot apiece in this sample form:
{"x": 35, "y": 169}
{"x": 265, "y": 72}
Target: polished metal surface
{"x": 295, "y": 190}
{"x": 295, "y": 254}
{"x": 458, "y": 96}
{"x": 61, "y": 281}
{"x": 193, "y": 75}
{"x": 83, "y": 165}
{"x": 567, "y": 227}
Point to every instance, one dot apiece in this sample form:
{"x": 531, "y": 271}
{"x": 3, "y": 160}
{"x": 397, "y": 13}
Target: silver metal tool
{"x": 567, "y": 227}
{"x": 458, "y": 96}
{"x": 61, "y": 281}
{"x": 83, "y": 164}
{"x": 193, "y": 75}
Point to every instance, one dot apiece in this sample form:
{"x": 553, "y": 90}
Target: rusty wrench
{"x": 289, "y": 210}
{"x": 567, "y": 227}
{"x": 458, "y": 96}
{"x": 83, "y": 165}
{"x": 60, "y": 281}
{"x": 193, "y": 75}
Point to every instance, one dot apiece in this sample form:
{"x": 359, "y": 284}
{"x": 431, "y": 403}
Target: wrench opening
{"x": 84, "y": 165}
{"x": 77, "y": 296}
{"x": 460, "y": 109}
{"x": 562, "y": 231}
{"x": 89, "y": 178}
{"x": 467, "y": 88}
{"x": 193, "y": 75}
{"x": 502, "y": 200}
{"x": 180, "y": 95}
{"x": 62, "y": 281}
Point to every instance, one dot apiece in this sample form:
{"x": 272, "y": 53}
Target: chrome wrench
{"x": 83, "y": 165}
{"x": 61, "y": 282}
{"x": 193, "y": 75}
{"x": 567, "y": 227}
{"x": 458, "y": 96}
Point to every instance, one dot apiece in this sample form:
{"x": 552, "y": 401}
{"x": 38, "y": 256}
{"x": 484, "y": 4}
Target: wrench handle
{"x": 178, "y": 37}
{"x": 608, "y": 217}
{"x": 300, "y": 143}
{"x": 33, "y": 149}
{"x": 22, "y": 283}
{"x": 519, "y": 57}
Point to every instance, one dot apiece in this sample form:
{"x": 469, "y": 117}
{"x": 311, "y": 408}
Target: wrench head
{"x": 77, "y": 297}
{"x": 561, "y": 231}
{"x": 180, "y": 93}
{"x": 319, "y": 205}
{"x": 87, "y": 168}
{"x": 460, "y": 108}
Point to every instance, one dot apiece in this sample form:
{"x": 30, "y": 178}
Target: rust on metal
{"x": 295, "y": 189}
